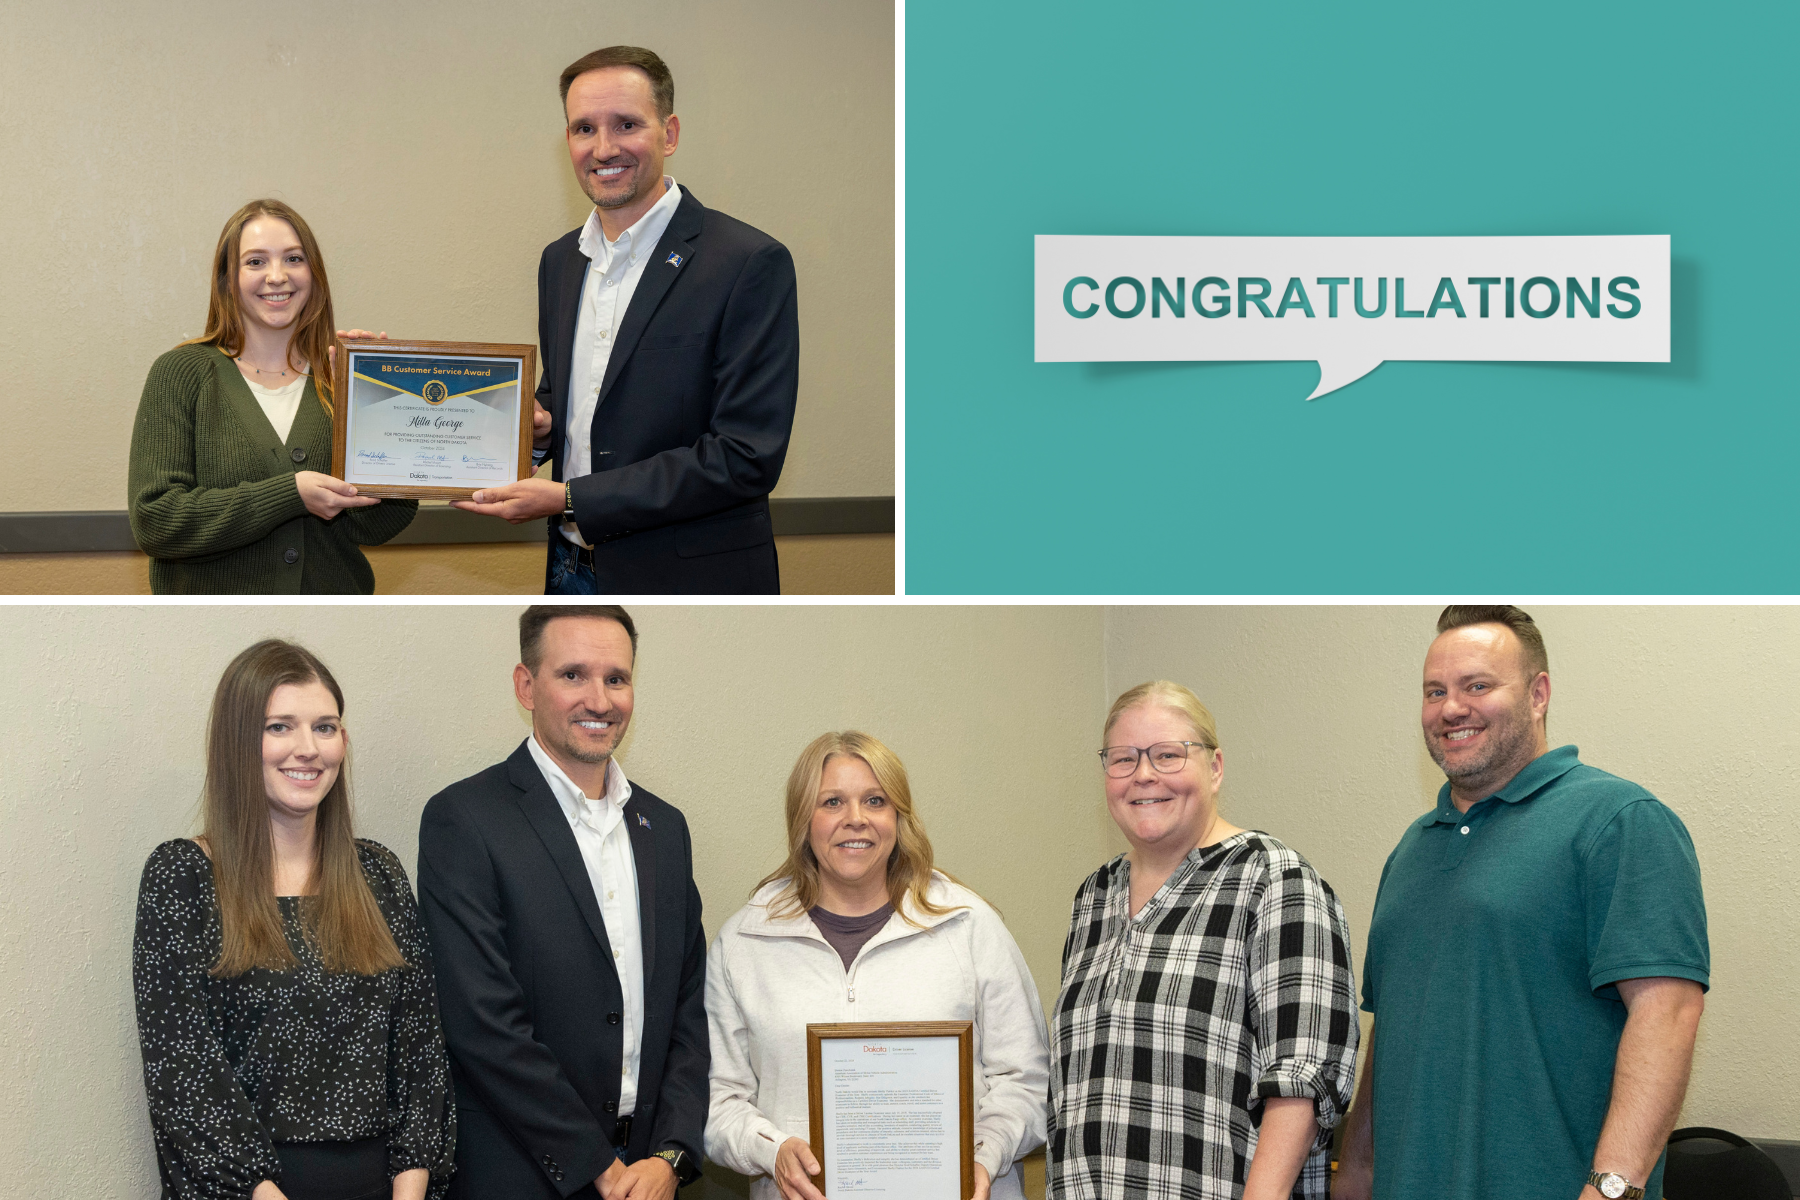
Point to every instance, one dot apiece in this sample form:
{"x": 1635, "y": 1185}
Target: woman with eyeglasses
{"x": 1204, "y": 1042}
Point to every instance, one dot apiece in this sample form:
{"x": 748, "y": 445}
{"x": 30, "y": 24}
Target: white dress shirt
{"x": 605, "y": 844}
{"x": 612, "y": 280}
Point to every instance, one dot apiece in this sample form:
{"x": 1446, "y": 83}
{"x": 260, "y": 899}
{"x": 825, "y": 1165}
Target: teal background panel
{"x": 1314, "y": 119}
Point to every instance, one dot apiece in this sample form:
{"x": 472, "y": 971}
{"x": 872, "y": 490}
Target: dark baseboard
{"x": 99, "y": 532}
{"x": 74, "y": 532}
{"x": 1786, "y": 1155}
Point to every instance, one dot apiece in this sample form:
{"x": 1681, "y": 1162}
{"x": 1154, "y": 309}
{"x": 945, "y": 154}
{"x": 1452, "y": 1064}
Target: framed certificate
{"x": 432, "y": 420}
{"x": 893, "y": 1110}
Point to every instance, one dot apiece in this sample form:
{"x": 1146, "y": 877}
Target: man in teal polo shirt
{"x": 1537, "y": 957}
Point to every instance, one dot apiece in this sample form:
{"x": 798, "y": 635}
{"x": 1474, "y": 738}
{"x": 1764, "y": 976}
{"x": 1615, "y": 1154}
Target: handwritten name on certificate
{"x": 892, "y": 1118}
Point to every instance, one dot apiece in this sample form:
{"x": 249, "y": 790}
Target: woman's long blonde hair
{"x": 316, "y": 330}
{"x": 909, "y": 866}
{"x": 340, "y": 918}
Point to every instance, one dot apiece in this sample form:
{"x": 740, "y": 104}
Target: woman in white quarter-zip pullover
{"x": 857, "y": 926}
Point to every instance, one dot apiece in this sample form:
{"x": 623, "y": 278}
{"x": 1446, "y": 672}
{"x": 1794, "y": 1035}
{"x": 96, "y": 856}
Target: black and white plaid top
{"x": 1233, "y": 984}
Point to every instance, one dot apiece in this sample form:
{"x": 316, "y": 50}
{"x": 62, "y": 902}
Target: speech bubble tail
{"x": 1335, "y": 373}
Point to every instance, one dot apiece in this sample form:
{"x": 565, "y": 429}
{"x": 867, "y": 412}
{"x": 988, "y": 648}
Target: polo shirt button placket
{"x": 1458, "y": 849}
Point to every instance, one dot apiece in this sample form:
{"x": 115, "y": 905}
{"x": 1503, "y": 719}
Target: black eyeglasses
{"x": 1121, "y": 761}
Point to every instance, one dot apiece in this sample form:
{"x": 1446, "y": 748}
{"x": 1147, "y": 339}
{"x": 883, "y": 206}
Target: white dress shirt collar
{"x": 604, "y": 841}
{"x": 599, "y": 815}
{"x": 612, "y": 281}
{"x": 643, "y": 234}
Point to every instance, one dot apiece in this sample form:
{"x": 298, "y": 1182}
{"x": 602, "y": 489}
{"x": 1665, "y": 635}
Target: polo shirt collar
{"x": 1539, "y": 773}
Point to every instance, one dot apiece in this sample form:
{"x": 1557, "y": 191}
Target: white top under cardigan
{"x": 767, "y": 979}
{"x": 279, "y": 404}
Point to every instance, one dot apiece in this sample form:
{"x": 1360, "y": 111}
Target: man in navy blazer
{"x": 671, "y": 351}
{"x": 565, "y": 932}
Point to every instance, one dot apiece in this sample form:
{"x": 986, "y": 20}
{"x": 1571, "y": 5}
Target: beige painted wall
{"x": 992, "y": 709}
{"x": 1318, "y": 714}
{"x": 423, "y": 143}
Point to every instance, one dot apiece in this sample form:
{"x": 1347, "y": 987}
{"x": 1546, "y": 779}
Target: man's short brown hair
{"x": 533, "y": 620}
{"x": 1534, "y": 657}
{"x": 662, "y": 84}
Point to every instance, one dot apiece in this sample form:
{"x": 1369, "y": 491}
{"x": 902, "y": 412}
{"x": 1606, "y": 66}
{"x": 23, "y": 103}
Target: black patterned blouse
{"x": 232, "y": 1066}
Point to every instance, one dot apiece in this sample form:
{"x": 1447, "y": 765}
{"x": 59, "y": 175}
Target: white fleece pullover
{"x": 767, "y": 979}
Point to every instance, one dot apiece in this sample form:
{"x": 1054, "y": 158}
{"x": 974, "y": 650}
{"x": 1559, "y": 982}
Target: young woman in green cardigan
{"x": 231, "y": 486}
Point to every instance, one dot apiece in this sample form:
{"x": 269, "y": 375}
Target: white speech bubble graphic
{"x": 1352, "y": 303}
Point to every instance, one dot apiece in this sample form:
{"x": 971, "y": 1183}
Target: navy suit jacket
{"x": 531, "y": 1002}
{"x": 695, "y": 407}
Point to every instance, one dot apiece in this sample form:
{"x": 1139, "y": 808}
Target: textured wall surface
{"x": 1318, "y": 712}
{"x": 423, "y": 143}
{"x": 992, "y": 709}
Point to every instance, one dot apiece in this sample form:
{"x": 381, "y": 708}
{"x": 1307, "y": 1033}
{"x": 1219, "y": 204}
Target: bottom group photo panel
{"x": 900, "y": 902}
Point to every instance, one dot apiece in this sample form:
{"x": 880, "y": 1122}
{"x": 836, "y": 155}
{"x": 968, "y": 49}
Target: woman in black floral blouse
{"x": 285, "y": 1001}
{"x": 1204, "y": 1043}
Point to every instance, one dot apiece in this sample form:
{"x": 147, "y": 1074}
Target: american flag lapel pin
{"x": 643, "y": 820}
{"x": 674, "y": 260}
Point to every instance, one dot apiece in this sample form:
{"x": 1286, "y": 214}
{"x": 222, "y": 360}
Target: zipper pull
{"x": 853, "y": 993}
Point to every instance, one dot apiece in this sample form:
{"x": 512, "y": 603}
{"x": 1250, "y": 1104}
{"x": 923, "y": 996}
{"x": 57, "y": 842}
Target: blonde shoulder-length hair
{"x": 909, "y": 866}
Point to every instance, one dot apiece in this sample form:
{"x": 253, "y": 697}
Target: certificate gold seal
{"x": 435, "y": 392}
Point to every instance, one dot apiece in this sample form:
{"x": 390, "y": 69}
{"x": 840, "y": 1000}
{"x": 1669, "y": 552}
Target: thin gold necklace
{"x": 242, "y": 361}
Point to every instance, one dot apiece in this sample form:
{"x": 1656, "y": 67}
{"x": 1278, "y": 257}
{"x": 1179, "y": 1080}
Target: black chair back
{"x": 1711, "y": 1164}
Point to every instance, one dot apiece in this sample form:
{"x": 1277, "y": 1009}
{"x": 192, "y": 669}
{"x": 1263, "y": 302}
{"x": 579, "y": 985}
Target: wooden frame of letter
{"x": 877, "y": 1031}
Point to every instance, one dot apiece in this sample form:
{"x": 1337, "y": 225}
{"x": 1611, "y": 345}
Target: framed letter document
{"x": 893, "y": 1111}
{"x": 432, "y": 420}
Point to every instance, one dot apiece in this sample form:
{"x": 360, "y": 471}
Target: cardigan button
{"x": 298, "y": 454}
{"x": 290, "y": 556}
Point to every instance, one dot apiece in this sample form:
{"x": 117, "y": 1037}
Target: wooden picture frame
{"x": 877, "y": 1032}
{"x": 374, "y": 476}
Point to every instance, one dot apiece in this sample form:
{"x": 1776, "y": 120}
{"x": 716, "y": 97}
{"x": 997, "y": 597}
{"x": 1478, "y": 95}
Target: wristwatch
{"x": 568, "y": 503}
{"x": 683, "y": 1166}
{"x": 1614, "y": 1186}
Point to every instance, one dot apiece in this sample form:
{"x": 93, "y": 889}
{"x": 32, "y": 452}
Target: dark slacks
{"x": 335, "y": 1170}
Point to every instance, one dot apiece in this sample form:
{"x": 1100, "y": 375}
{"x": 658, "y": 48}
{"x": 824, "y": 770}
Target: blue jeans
{"x": 568, "y": 575}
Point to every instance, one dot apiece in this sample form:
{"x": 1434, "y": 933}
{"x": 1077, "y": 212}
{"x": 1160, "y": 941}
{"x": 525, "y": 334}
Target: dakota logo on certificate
{"x": 433, "y": 420}
{"x": 892, "y": 1108}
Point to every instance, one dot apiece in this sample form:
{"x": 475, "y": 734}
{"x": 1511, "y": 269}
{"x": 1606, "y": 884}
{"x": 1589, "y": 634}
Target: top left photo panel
{"x": 551, "y": 298}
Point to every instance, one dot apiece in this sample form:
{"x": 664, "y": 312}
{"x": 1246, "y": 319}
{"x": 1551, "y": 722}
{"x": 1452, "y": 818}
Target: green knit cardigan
{"x": 212, "y": 495}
